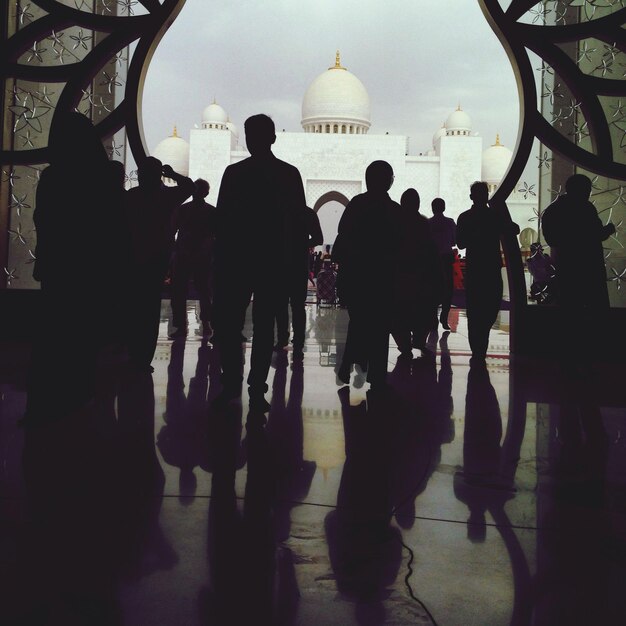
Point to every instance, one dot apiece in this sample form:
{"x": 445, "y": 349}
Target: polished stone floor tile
{"x": 494, "y": 495}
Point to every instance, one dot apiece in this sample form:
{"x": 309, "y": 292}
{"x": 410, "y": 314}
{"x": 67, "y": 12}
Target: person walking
{"x": 371, "y": 220}
{"x": 151, "y": 210}
{"x": 443, "y": 232}
{"x": 479, "y": 230}
{"x": 193, "y": 258}
{"x": 258, "y": 214}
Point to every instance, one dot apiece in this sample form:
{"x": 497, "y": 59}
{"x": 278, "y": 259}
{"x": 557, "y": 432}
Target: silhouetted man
{"x": 372, "y": 220}
{"x": 575, "y": 234}
{"x": 193, "y": 258}
{"x": 151, "y": 208}
{"x": 479, "y": 230}
{"x": 418, "y": 278}
{"x": 310, "y": 237}
{"x": 443, "y": 232}
{"x": 259, "y": 216}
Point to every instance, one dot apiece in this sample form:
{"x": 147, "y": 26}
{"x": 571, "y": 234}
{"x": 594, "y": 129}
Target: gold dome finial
{"x": 337, "y": 65}
{"x": 458, "y": 106}
{"x": 175, "y": 133}
{"x": 497, "y": 140}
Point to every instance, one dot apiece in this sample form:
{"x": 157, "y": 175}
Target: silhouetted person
{"x": 193, "y": 258}
{"x": 151, "y": 210}
{"x": 416, "y": 289}
{"x": 77, "y": 232}
{"x": 443, "y": 231}
{"x": 310, "y": 237}
{"x": 575, "y": 234}
{"x": 258, "y": 216}
{"x": 479, "y": 230}
{"x": 371, "y": 220}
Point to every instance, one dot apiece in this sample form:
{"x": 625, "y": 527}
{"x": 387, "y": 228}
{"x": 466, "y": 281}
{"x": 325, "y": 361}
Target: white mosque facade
{"x": 335, "y": 147}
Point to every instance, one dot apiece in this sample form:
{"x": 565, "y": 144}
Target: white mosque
{"x": 335, "y": 147}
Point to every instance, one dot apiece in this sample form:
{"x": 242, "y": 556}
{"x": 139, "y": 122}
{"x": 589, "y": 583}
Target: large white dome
{"x": 495, "y": 163}
{"x": 174, "y": 151}
{"x": 214, "y": 116}
{"x": 458, "y": 122}
{"x": 336, "y": 102}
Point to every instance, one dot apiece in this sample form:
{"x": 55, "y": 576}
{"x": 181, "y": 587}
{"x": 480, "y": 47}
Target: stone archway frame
{"x": 330, "y": 196}
{"x": 516, "y": 36}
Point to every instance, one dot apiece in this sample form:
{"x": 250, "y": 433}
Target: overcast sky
{"x": 416, "y": 58}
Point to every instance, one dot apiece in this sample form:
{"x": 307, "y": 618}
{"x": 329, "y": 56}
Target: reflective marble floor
{"x": 479, "y": 496}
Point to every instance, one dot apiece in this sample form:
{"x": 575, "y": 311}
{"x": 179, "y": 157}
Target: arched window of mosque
{"x": 327, "y": 128}
{"x": 335, "y": 128}
{"x": 343, "y": 129}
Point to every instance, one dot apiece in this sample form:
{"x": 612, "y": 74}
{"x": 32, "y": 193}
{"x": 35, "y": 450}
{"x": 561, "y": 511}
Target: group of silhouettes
{"x": 103, "y": 253}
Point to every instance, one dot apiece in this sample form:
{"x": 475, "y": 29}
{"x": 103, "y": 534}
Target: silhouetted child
{"x": 479, "y": 230}
{"x": 443, "y": 232}
{"x": 193, "y": 258}
{"x": 151, "y": 209}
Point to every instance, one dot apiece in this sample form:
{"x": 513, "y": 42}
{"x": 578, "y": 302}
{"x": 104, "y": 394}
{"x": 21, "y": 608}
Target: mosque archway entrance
{"x": 329, "y": 208}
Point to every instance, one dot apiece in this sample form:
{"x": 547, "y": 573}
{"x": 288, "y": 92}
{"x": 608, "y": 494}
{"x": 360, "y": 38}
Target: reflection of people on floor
{"x": 575, "y": 234}
{"x": 182, "y": 439}
{"x": 370, "y": 221}
{"x": 481, "y": 483}
{"x": 479, "y": 230}
{"x": 94, "y": 495}
{"x": 195, "y": 223}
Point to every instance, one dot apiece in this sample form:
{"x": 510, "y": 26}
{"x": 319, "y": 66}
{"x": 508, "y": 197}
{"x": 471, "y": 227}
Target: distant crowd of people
{"x": 103, "y": 253}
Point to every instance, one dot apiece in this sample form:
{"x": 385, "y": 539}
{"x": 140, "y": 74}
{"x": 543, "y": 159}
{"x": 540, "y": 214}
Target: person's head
{"x": 260, "y": 133}
{"x": 379, "y": 176}
{"x": 201, "y": 190}
{"x": 438, "y": 206}
{"x": 479, "y": 192}
{"x": 149, "y": 173}
{"x": 327, "y": 247}
{"x": 410, "y": 200}
{"x": 74, "y": 142}
{"x": 118, "y": 174}
{"x": 578, "y": 186}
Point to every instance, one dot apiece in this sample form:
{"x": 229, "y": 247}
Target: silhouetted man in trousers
{"x": 193, "y": 257}
{"x": 150, "y": 209}
{"x": 479, "y": 230}
{"x": 372, "y": 220}
{"x": 259, "y": 216}
{"x": 310, "y": 237}
{"x": 443, "y": 231}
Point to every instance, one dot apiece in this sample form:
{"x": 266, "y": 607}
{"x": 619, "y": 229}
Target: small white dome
{"x": 214, "y": 114}
{"x": 336, "y": 96}
{"x": 439, "y": 134}
{"x": 174, "y": 151}
{"x": 495, "y": 163}
{"x": 459, "y": 120}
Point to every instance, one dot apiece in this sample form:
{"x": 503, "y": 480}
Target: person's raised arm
{"x": 184, "y": 184}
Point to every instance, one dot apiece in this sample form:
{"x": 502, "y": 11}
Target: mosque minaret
{"x": 336, "y": 145}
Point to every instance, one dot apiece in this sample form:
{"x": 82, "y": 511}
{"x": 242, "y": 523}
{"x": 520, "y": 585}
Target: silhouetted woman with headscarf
{"x": 76, "y": 218}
